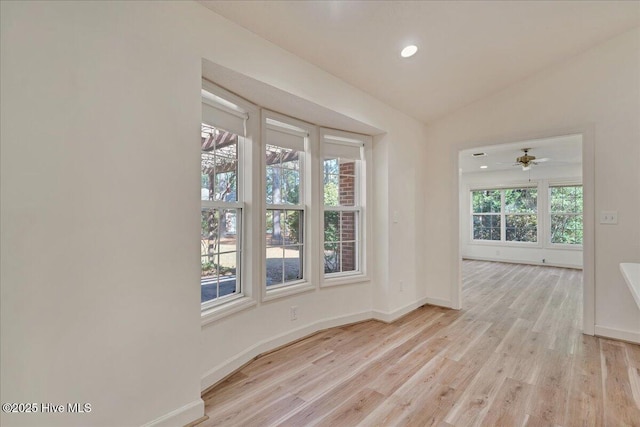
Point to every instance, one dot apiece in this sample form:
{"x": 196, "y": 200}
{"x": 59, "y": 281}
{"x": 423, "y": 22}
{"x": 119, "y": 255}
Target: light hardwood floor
{"x": 513, "y": 356}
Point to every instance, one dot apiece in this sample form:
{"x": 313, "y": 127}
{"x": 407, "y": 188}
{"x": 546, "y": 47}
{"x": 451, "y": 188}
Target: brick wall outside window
{"x": 347, "y": 198}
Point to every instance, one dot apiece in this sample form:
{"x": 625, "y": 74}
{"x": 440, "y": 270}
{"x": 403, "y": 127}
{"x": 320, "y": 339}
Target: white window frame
{"x": 349, "y": 141}
{"x": 505, "y": 214}
{"x": 224, "y": 100}
{"x": 500, "y": 215}
{"x": 503, "y": 220}
{"x": 549, "y": 214}
{"x": 269, "y": 121}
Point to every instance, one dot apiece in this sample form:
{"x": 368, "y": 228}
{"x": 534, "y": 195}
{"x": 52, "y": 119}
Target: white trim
{"x": 210, "y": 315}
{"x": 227, "y": 367}
{"x": 344, "y": 279}
{"x": 439, "y": 302}
{"x": 287, "y": 289}
{"x": 617, "y": 334}
{"x": 587, "y": 131}
{"x": 181, "y": 416}
{"x": 392, "y": 316}
{"x": 522, "y": 261}
{"x": 588, "y": 230}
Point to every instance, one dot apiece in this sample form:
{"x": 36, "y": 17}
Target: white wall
{"x": 514, "y": 252}
{"x": 100, "y": 271}
{"x": 597, "y": 90}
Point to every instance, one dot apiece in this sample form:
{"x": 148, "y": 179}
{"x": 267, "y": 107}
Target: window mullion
{"x": 503, "y": 223}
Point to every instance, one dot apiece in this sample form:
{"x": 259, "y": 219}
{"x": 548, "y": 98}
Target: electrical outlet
{"x": 294, "y": 313}
{"x": 401, "y": 286}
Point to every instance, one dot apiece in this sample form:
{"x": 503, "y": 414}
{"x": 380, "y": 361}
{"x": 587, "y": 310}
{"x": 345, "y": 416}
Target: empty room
{"x": 320, "y": 213}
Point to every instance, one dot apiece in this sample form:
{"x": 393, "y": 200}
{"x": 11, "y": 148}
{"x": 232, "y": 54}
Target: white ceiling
{"x": 560, "y": 150}
{"x": 468, "y": 49}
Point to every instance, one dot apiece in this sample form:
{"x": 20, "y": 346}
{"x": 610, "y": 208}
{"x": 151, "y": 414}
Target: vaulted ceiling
{"x": 467, "y": 49}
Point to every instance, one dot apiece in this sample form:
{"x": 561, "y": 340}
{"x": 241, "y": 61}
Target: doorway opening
{"x": 524, "y": 203}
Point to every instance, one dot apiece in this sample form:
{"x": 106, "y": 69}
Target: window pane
{"x": 486, "y": 201}
{"x": 566, "y": 199}
{"x": 521, "y": 228}
{"x": 290, "y": 186}
{"x": 348, "y": 226}
{"x": 566, "y": 214}
{"x": 284, "y": 246}
{"x": 219, "y": 164}
{"x": 293, "y": 227}
{"x": 275, "y": 267}
{"x": 331, "y": 190}
{"x": 349, "y": 256}
{"x": 219, "y": 253}
{"x": 292, "y": 263}
{"x": 566, "y": 229}
{"x": 283, "y": 181}
{"x": 331, "y": 226}
{"x": 521, "y": 200}
{"x": 341, "y": 241}
{"x": 486, "y": 227}
{"x": 331, "y": 257}
{"x": 273, "y": 179}
{"x": 340, "y": 182}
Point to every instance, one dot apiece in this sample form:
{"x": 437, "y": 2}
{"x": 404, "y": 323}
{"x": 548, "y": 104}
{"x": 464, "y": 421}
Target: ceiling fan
{"x": 527, "y": 161}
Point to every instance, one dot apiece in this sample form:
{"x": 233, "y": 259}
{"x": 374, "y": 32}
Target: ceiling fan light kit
{"x": 527, "y": 161}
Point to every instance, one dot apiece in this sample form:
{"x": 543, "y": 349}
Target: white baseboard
{"x": 618, "y": 334}
{"x": 392, "y": 316}
{"x": 439, "y": 302}
{"x": 181, "y": 416}
{"x": 522, "y": 261}
{"x": 219, "y": 372}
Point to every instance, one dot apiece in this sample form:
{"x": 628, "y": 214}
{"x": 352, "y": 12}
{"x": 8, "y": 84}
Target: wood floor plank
{"x": 620, "y": 408}
{"x": 513, "y": 356}
{"x": 510, "y": 404}
{"x": 352, "y": 411}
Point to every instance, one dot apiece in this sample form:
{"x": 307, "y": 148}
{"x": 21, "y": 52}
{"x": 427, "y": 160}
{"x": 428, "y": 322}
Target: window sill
{"x": 213, "y": 314}
{"x": 506, "y": 244}
{"x": 347, "y": 279}
{"x": 272, "y": 294}
{"x": 564, "y": 247}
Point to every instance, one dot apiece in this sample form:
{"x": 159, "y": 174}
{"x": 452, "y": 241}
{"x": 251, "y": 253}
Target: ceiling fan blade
{"x": 544, "y": 159}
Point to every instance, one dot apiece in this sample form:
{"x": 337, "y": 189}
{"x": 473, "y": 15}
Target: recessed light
{"x": 483, "y": 167}
{"x": 409, "y": 51}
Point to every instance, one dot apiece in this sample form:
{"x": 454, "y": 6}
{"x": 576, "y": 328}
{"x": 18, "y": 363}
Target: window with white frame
{"x": 521, "y": 214}
{"x": 342, "y": 158}
{"x": 486, "y": 208}
{"x": 565, "y": 212}
{"x": 505, "y": 215}
{"x": 222, "y": 136}
{"x": 285, "y": 203}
